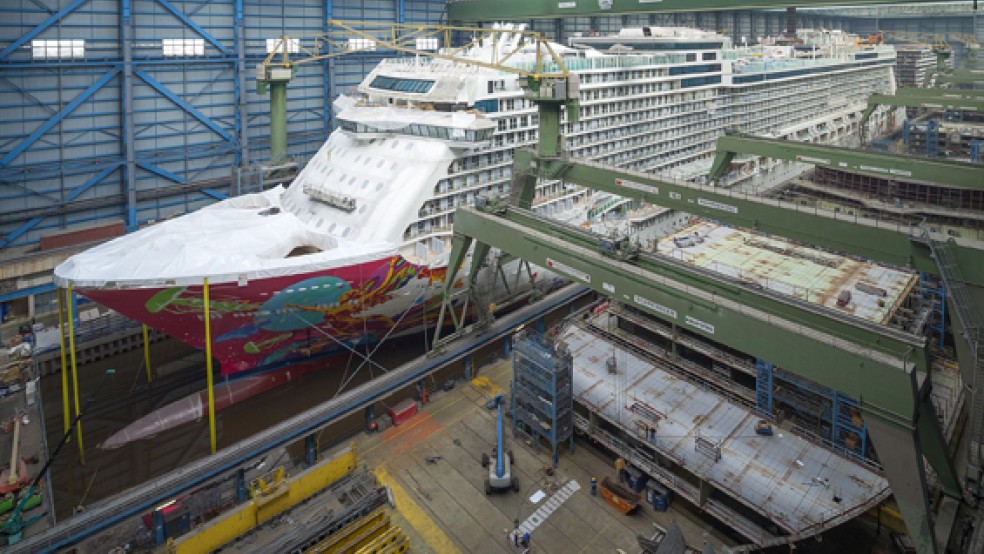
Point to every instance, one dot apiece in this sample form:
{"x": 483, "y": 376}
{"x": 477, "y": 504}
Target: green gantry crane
{"x": 939, "y": 99}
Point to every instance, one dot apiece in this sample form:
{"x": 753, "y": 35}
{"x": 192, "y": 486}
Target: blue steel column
{"x": 129, "y": 164}
{"x": 241, "y": 127}
{"x": 241, "y": 495}
{"x": 311, "y": 446}
{"x": 329, "y": 73}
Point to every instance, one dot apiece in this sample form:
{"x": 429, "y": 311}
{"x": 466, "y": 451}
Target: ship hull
{"x": 266, "y": 322}
{"x": 194, "y": 407}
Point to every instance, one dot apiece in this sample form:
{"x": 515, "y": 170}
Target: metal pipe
{"x": 208, "y": 367}
{"x": 75, "y": 368}
{"x": 278, "y": 120}
{"x": 12, "y": 476}
{"x": 146, "y": 349}
{"x": 499, "y": 464}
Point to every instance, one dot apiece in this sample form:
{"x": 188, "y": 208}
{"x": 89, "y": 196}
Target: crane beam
{"x": 886, "y": 241}
{"x": 500, "y": 10}
{"x": 946, "y": 173}
{"x": 938, "y": 99}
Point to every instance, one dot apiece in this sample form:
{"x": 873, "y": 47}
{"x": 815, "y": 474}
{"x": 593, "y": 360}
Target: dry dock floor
{"x": 442, "y": 505}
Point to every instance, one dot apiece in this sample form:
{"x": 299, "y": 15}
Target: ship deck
{"x": 799, "y": 271}
{"x": 802, "y": 487}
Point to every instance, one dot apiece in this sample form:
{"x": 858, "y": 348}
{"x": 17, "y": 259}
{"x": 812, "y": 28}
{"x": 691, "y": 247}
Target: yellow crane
{"x": 433, "y": 41}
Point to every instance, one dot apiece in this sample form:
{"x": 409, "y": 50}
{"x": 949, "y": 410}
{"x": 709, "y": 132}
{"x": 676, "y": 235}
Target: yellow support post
{"x": 66, "y": 404}
{"x": 146, "y": 345}
{"x": 75, "y": 368}
{"x": 208, "y": 367}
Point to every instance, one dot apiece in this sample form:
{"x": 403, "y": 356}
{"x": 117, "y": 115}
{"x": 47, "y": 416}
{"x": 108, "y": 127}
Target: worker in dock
{"x": 594, "y": 486}
{"x": 619, "y": 469}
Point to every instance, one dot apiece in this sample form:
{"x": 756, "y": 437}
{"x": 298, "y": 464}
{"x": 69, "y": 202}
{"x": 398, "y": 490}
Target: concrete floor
{"x": 442, "y": 506}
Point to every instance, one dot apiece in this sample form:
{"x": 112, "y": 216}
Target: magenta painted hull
{"x": 267, "y": 322}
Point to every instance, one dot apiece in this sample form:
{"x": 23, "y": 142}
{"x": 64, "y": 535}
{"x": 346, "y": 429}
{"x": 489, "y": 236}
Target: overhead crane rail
{"x": 500, "y": 10}
{"x": 142, "y": 498}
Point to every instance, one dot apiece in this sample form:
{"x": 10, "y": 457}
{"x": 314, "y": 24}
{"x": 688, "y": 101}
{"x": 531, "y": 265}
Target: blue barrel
{"x": 636, "y": 479}
{"x": 659, "y": 496}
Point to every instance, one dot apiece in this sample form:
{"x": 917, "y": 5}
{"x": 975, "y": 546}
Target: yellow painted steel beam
{"x": 146, "y": 349}
{"x": 354, "y": 535}
{"x": 403, "y": 37}
{"x": 248, "y": 516}
{"x": 75, "y": 368}
{"x": 66, "y": 405}
{"x": 208, "y": 367}
{"x": 392, "y": 541}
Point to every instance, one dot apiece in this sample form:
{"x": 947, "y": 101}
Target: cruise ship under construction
{"x": 702, "y": 312}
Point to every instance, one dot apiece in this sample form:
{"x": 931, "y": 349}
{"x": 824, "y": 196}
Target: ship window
{"x": 418, "y": 86}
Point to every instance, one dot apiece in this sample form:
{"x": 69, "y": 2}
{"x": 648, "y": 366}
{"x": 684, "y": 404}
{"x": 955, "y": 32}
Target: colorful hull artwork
{"x": 259, "y": 327}
{"x": 271, "y": 321}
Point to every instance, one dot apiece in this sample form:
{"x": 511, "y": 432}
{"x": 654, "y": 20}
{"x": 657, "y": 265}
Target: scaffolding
{"x": 542, "y": 392}
{"x": 824, "y": 411}
{"x": 763, "y": 387}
